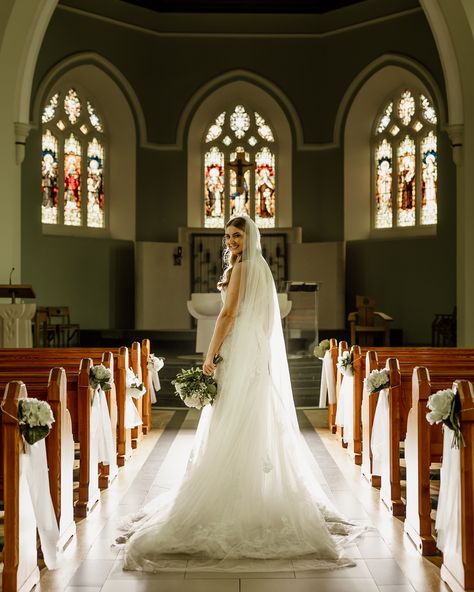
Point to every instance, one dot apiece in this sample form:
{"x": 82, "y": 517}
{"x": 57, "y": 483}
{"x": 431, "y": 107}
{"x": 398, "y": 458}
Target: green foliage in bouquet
{"x": 195, "y": 388}
{"x": 320, "y": 350}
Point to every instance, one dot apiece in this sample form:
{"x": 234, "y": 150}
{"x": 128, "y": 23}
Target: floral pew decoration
{"x": 101, "y": 380}
{"x": 154, "y": 365}
{"x": 445, "y": 407}
{"x": 134, "y": 390}
{"x": 378, "y": 381}
{"x": 35, "y": 419}
{"x": 345, "y": 402}
{"x": 327, "y": 393}
{"x": 195, "y": 388}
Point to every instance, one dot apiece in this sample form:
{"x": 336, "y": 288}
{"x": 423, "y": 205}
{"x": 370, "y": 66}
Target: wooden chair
{"x": 363, "y": 322}
{"x": 44, "y": 335}
{"x": 59, "y": 320}
{"x": 443, "y": 330}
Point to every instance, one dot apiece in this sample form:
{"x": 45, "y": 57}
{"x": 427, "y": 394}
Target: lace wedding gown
{"x": 249, "y": 498}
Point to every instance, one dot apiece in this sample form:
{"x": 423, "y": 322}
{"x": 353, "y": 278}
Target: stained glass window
{"x": 66, "y": 139}
{"x": 406, "y": 107}
{"x": 49, "y": 179}
{"x": 429, "y": 175}
{"x": 95, "y": 184}
{"x": 232, "y": 186}
{"x": 214, "y": 188}
{"x": 405, "y": 162}
{"x": 72, "y": 181}
{"x": 383, "y": 195}
{"x": 72, "y": 106}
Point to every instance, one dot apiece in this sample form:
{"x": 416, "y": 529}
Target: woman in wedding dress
{"x": 249, "y": 499}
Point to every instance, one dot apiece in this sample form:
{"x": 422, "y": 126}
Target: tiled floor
{"x": 385, "y": 560}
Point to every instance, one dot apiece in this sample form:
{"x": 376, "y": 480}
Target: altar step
{"x": 305, "y": 376}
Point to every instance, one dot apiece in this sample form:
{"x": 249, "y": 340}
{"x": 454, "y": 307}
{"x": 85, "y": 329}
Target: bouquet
{"x": 344, "y": 363}
{"x": 376, "y": 381}
{"x": 321, "y": 349}
{"x": 100, "y": 376}
{"x": 445, "y": 407}
{"x": 195, "y": 388}
{"x": 35, "y": 418}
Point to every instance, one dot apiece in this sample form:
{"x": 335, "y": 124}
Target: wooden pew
{"x": 124, "y": 435}
{"x": 458, "y": 571}
{"x": 369, "y": 405}
{"x": 135, "y": 363}
{"x": 339, "y": 376}
{"x": 333, "y": 349}
{"x": 146, "y": 399}
{"x": 20, "y": 568}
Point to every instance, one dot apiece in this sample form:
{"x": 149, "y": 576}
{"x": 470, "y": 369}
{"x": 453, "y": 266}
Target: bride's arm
{"x": 225, "y": 320}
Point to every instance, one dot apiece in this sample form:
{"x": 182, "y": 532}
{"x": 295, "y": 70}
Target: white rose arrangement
{"x": 377, "y": 380}
{"x": 100, "y": 376}
{"x": 320, "y": 350}
{"x": 444, "y": 407}
{"x": 345, "y": 363}
{"x": 195, "y": 388}
{"x": 35, "y": 418}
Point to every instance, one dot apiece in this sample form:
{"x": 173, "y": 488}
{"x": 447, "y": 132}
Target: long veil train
{"x": 250, "y": 495}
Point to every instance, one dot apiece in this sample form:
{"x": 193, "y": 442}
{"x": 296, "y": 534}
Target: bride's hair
{"x": 229, "y": 259}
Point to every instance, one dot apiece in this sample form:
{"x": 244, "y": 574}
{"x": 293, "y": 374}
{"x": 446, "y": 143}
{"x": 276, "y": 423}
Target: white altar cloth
{"x": 15, "y": 324}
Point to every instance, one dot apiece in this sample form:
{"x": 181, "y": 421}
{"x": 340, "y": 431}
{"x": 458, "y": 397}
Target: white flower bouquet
{"x": 35, "y": 418}
{"x": 135, "y": 387}
{"x": 376, "y": 381}
{"x": 195, "y": 388}
{"x": 321, "y": 349}
{"x": 445, "y": 407}
{"x": 345, "y": 363}
{"x": 155, "y": 363}
{"x": 101, "y": 376}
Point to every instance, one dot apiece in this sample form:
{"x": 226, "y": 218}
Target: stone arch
{"x": 361, "y": 103}
{"x": 205, "y": 105}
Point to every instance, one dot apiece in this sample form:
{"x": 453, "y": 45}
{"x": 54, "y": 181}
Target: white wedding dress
{"x": 249, "y": 499}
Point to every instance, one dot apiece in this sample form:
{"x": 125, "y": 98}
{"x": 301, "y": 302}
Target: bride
{"x": 249, "y": 498}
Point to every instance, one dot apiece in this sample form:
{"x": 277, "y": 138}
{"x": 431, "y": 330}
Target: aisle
{"x": 383, "y": 564}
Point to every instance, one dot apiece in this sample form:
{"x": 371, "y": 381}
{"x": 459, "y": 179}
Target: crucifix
{"x": 240, "y": 165}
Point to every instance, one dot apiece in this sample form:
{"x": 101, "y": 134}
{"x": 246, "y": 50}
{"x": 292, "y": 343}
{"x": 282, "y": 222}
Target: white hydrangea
{"x": 440, "y": 406}
{"x": 377, "y": 380}
{"x": 34, "y": 413}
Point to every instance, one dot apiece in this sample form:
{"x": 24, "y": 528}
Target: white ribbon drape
{"x": 36, "y": 468}
{"x": 380, "y": 440}
{"x": 345, "y": 407}
{"x": 327, "y": 393}
{"x": 448, "y": 514}
{"x": 132, "y": 417}
{"x": 154, "y": 366}
{"x": 102, "y": 427}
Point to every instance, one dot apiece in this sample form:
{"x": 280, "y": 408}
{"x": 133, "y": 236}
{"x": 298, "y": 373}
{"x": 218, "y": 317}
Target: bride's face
{"x": 235, "y": 239}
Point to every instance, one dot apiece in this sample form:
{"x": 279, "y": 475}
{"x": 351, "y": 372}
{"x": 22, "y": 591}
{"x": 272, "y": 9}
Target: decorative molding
{"x": 228, "y": 35}
{"x": 22, "y": 131}
{"x": 456, "y": 135}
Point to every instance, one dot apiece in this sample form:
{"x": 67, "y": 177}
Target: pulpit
{"x": 15, "y": 317}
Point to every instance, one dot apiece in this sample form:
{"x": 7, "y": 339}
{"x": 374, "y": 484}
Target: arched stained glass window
{"x": 405, "y": 162}
{"x": 239, "y": 167}
{"x": 73, "y": 162}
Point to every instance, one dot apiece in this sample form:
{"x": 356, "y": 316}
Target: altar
{"x": 16, "y": 317}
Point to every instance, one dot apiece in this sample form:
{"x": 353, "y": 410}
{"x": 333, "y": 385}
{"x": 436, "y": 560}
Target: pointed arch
{"x": 120, "y": 109}
{"x": 362, "y": 102}
{"x": 258, "y": 98}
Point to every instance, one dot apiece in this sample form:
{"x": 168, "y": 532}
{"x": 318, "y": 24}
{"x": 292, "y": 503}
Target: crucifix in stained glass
{"x": 239, "y": 165}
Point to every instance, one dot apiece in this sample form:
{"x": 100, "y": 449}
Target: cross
{"x": 239, "y": 165}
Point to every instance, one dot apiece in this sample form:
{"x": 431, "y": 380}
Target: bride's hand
{"x": 209, "y": 367}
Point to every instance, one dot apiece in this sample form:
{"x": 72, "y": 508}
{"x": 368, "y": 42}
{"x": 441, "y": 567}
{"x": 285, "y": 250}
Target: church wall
{"x": 314, "y": 73}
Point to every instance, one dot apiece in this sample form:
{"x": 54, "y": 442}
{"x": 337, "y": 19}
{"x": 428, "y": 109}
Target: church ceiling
{"x": 245, "y": 6}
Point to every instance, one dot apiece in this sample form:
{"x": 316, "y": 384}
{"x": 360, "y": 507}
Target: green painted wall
{"x": 314, "y": 73}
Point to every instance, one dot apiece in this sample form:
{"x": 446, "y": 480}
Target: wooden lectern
{"x": 16, "y": 291}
